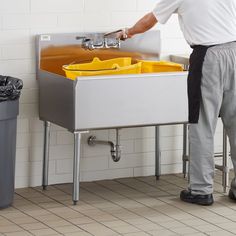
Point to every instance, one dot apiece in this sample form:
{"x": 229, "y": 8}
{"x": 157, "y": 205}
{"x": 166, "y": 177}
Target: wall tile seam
{"x": 22, "y": 132}
{"x": 111, "y": 8}
{"x": 82, "y": 9}
{"x": 100, "y": 156}
{"x": 123, "y": 168}
{"x": 147, "y": 152}
{"x": 140, "y": 139}
{"x": 41, "y": 131}
{"x": 54, "y": 164}
{"x": 124, "y": 11}
{"x": 171, "y": 150}
{"x": 172, "y": 163}
{"x": 27, "y": 103}
{"x": 109, "y": 158}
{"x": 82, "y": 172}
{"x": 30, "y": 26}
{"x": 26, "y": 89}
{"x": 152, "y": 149}
{"x": 28, "y": 74}
{"x": 135, "y": 166}
{"x": 17, "y": 60}
{"x": 161, "y": 136}
{"x": 71, "y": 144}
{"x": 17, "y": 44}
{"x": 58, "y": 132}
{"x": 171, "y": 136}
{"x": 29, "y": 89}
{"x": 130, "y": 138}
{"x": 4, "y": 58}
{"x": 56, "y": 12}
{"x": 31, "y": 14}
{"x": 174, "y": 150}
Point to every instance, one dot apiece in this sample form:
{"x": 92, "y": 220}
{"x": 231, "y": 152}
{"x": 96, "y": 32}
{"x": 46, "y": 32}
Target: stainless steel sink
{"x": 105, "y": 102}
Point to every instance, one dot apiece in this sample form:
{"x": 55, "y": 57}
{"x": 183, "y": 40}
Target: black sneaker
{"x": 231, "y": 195}
{"x": 205, "y": 200}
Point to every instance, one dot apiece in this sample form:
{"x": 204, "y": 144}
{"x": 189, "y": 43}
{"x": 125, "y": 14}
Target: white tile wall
{"x": 20, "y": 21}
{"x": 12, "y": 6}
{"x": 56, "y": 6}
{"x": 22, "y": 51}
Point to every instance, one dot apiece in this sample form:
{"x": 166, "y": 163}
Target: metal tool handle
{"x": 113, "y": 32}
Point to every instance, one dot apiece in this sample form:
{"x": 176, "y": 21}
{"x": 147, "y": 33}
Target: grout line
{"x": 104, "y": 210}
{"x": 157, "y": 211}
{"x": 43, "y": 209}
{"x": 215, "y": 224}
{"x": 149, "y": 207}
{"x": 69, "y": 208}
{"x": 126, "y": 208}
{"x": 111, "y": 189}
{"x": 15, "y": 223}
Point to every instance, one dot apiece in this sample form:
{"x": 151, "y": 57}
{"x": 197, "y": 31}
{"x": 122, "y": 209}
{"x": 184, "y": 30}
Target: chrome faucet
{"x": 103, "y": 43}
{"x": 95, "y": 42}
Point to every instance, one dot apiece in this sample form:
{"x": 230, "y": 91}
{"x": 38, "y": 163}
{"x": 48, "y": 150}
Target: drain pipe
{"x": 115, "y": 148}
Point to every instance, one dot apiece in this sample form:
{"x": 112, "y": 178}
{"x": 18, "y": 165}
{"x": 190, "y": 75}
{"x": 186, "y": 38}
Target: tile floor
{"x": 131, "y": 207}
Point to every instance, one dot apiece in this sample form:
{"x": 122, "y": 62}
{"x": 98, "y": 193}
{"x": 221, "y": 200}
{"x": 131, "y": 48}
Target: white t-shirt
{"x": 203, "y": 22}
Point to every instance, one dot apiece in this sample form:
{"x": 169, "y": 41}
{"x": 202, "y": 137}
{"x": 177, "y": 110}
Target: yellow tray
{"x": 159, "y": 66}
{"x": 73, "y": 71}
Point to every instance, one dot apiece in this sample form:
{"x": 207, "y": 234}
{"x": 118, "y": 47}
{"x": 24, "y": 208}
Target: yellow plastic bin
{"x": 160, "y": 66}
{"x": 97, "y": 67}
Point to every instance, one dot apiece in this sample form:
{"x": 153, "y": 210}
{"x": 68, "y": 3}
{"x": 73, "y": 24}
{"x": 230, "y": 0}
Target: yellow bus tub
{"x": 109, "y": 68}
{"x": 159, "y": 66}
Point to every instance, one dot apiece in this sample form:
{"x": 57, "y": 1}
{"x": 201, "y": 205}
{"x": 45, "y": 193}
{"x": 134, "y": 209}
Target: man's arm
{"x": 141, "y": 26}
{"x": 144, "y": 24}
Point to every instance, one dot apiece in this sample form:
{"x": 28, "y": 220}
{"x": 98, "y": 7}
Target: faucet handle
{"x": 112, "y": 43}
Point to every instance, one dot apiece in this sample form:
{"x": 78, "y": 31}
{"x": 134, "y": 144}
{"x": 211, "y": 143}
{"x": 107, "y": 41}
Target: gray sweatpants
{"x": 218, "y": 89}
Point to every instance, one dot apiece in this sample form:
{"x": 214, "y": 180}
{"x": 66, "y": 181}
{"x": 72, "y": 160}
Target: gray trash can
{"x": 10, "y": 90}
{"x": 8, "y": 118}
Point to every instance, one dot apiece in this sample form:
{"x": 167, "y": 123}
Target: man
{"x": 209, "y": 27}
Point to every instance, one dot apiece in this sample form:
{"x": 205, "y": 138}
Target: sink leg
{"x": 76, "y": 165}
{"x": 46, "y": 154}
{"x": 157, "y": 153}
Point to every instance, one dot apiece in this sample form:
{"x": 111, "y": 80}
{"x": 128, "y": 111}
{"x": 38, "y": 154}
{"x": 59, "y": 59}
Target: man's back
{"x": 203, "y": 22}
